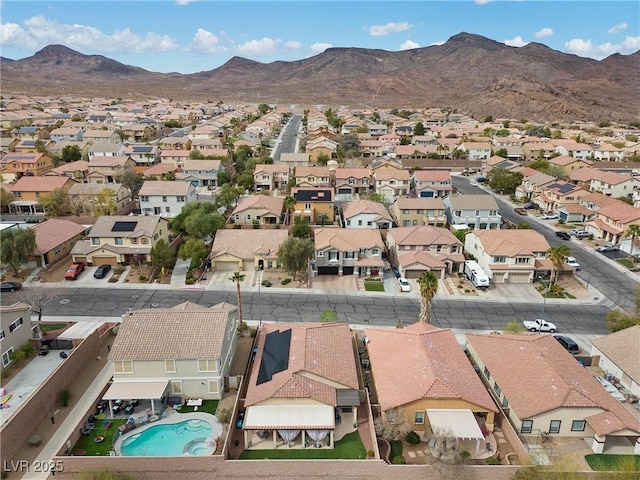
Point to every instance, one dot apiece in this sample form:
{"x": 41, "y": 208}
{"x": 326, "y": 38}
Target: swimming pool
{"x": 188, "y": 437}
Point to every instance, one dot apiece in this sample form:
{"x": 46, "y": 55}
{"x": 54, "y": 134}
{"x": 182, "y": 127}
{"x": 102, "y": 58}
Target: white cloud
{"x": 292, "y": 45}
{"x": 38, "y": 32}
{"x": 437, "y": 44}
{"x": 586, "y": 48}
{"x": 206, "y": 42}
{"x": 389, "y": 27}
{"x": 185, "y": 2}
{"x": 515, "y": 42}
{"x": 408, "y": 45}
{"x": 618, "y": 28}
{"x": 317, "y": 48}
{"x": 265, "y": 47}
{"x": 545, "y": 32}
{"x": 482, "y": 2}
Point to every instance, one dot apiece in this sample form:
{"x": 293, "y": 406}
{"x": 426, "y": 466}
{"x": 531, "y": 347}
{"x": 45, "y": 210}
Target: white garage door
{"x": 227, "y": 267}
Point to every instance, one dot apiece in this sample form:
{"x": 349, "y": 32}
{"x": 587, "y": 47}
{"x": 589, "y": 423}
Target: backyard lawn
{"x": 47, "y": 327}
{"x": 88, "y": 443}
{"x": 373, "y": 285}
{"x": 208, "y": 406}
{"x": 350, "y": 447}
{"x": 613, "y": 463}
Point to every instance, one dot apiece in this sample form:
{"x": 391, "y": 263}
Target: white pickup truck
{"x": 539, "y": 325}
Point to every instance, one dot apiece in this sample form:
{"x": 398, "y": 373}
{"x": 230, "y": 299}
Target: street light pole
{"x": 544, "y": 303}
{"x": 259, "y": 301}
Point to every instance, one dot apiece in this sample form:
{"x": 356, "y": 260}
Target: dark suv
{"x": 567, "y": 343}
{"x": 563, "y": 235}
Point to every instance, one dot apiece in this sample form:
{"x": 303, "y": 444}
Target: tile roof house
{"x": 573, "y": 149}
{"x": 510, "y": 256}
{"x": 294, "y": 160}
{"x": 351, "y": 182}
{"x": 123, "y": 240}
{"x": 568, "y": 163}
{"x": 183, "y": 351}
{"x": 544, "y": 389}
{"x": 341, "y": 252}
{"x": 432, "y": 183}
{"x": 270, "y": 176}
{"x": 159, "y": 171}
{"x": 611, "y": 184}
{"x": 365, "y": 214}
{"x": 558, "y": 194}
{"x": 312, "y": 176}
{"x": 55, "y": 238}
{"x": 106, "y": 169}
{"x": 391, "y": 183}
{"x": 476, "y": 212}
{"x": 619, "y": 357}
{"x": 166, "y": 198}
{"x": 303, "y": 385}
{"x": 77, "y": 170}
{"x": 144, "y": 155}
{"x": 415, "y": 250}
{"x": 98, "y": 198}
{"x": 104, "y": 149}
{"x": 533, "y": 185}
{"x": 316, "y": 205}
{"x": 476, "y": 150}
{"x": 26, "y": 163}
{"x": 428, "y": 375}
{"x": 16, "y": 329}
{"x": 201, "y": 173}
{"x": 412, "y": 212}
{"x": 263, "y": 209}
{"x": 30, "y": 192}
{"x": 246, "y": 250}
{"x": 612, "y": 221}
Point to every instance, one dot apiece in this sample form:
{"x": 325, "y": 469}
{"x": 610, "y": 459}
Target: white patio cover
{"x": 136, "y": 390}
{"x": 458, "y": 423}
{"x": 283, "y": 417}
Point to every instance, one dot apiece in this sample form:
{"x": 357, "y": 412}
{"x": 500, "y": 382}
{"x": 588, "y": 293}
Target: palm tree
{"x": 237, "y": 278}
{"x": 557, "y": 255}
{"x": 633, "y": 231}
{"x": 428, "y": 283}
{"x": 289, "y": 203}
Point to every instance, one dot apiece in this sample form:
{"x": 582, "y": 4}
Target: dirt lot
{"x": 277, "y": 276}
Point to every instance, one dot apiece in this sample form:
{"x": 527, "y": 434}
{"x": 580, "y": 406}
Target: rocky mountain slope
{"x": 469, "y": 72}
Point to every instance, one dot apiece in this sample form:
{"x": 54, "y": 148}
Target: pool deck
{"x": 173, "y": 418}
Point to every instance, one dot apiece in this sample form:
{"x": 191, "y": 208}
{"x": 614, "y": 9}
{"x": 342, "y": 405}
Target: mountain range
{"x": 470, "y": 73}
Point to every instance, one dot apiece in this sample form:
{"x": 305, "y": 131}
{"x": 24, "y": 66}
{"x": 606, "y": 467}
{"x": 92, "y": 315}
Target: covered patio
{"x": 462, "y": 425}
{"x": 140, "y": 390}
{"x": 18, "y": 207}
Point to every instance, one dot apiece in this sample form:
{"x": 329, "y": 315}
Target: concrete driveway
{"x": 344, "y": 283}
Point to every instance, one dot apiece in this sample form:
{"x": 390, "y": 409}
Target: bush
{"x": 224, "y": 415}
{"x": 253, "y": 331}
{"x": 466, "y": 290}
{"x": 189, "y": 275}
{"x": 266, "y": 283}
{"x": 189, "y": 281}
{"x": 142, "y": 277}
{"x": 17, "y": 355}
{"x": 27, "y": 348}
{"x": 286, "y": 281}
{"x": 399, "y": 460}
{"x": 561, "y": 221}
{"x": 370, "y": 453}
{"x": 493, "y": 460}
{"x": 413, "y": 438}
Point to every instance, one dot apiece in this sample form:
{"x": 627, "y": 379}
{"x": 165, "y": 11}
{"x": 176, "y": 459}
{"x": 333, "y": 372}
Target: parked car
{"x": 567, "y": 343}
{"x": 473, "y": 183}
{"x": 405, "y": 286}
{"x": 563, "y": 235}
{"x": 549, "y": 216}
{"x": 539, "y": 325}
{"x": 102, "y": 271}
{"x": 74, "y": 271}
{"x": 609, "y": 247}
{"x": 481, "y": 179}
{"x": 572, "y": 262}
{"x": 44, "y": 349}
{"x": 579, "y": 233}
{"x": 520, "y": 211}
{"x": 530, "y": 206}
{"x": 10, "y": 287}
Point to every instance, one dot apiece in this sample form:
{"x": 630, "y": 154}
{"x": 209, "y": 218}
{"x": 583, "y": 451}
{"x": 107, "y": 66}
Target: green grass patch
{"x": 625, "y": 262}
{"x": 396, "y": 449}
{"x": 373, "y": 286}
{"x": 208, "y": 406}
{"x": 350, "y": 447}
{"x": 48, "y": 327}
{"x": 613, "y": 463}
{"x": 93, "y": 448}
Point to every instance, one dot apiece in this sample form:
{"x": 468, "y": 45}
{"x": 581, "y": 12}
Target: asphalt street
{"x": 287, "y": 140}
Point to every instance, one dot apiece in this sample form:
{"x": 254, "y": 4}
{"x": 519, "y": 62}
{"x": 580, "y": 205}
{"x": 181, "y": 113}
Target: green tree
{"x": 6, "y": 198}
{"x": 161, "y": 255}
{"x": 263, "y": 108}
{"x": 196, "y": 155}
{"x": 539, "y": 131}
{"x": 245, "y": 180}
{"x": 294, "y": 255}
{"x": 237, "y": 278}
{"x": 223, "y": 178}
{"x": 514, "y": 326}
{"x": 195, "y": 250}
{"x": 418, "y": 129}
{"x": 461, "y": 234}
{"x": 39, "y": 146}
{"x": 169, "y": 176}
{"x": 288, "y": 204}
{"x": 348, "y": 146}
{"x": 322, "y": 159}
{"x": 377, "y": 197}
{"x": 132, "y": 180}
{"x": 228, "y": 195}
{"x": 501, "y": 152}
{"x": 428, "y": 283}
{"x": 202, "y": 224}
{"x": 71, "y": 153}
{"x": 56, "y": 203}
{"x": 301, "y": 228}
{"x": 503, "y": 180}
{"x": 16, "y": 246}
{"x": 104, "y": 202}
{"x": 634, "y": 232}
{"x": 557, "y": 255}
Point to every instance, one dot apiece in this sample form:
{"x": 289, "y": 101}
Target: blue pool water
{"x": 169, "y": 440}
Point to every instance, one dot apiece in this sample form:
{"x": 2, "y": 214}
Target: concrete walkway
{"x": 179, "y": 273}
{"x": 64, "y": 432}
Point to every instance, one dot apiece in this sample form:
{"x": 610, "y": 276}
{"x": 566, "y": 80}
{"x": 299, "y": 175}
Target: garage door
{"x": 327, "y": 270}
{"x": 426, "y": 194}
{"x": 347, "y": 270}
{"x": 413, "y": 273}
{"x": 344, "y": 191}
{"x": 227, "y": 267}
{"x": 113, "y": 261}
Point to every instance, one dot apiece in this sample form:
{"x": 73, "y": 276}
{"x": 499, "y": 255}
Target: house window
{"x": 406, "y": 223}
{"x": 17, "y": 194}
{"x": 418, "y": 418}
{"x": 15, "y": 324}
{"x": 176, "y": 386}
{"x": 375, "y": 252}
{"x": 123, "y": 366}
{"x": 334, "y": 256}
{"x": 307, "y": 206}
{"x": 144, "y": 240}
{"x": 499, "y": 259}
{"x": 207, "y": 365}
{"x": 359, "y": 223}
{"x": 405, "y": 212}
{"x": 164, "y": 199}
{"x": 1, "y": 334}
{"x": 118, "y": 240}
{"x": 578, "y": 425}
{"x": 369, "y": 224}
{"x": 182, "y": 198}
{"x": 170, "y": 366}
{"x": 350, "y": 255}
{"x": 6, "y": 357}
{"x": 527, "y": 426}
{"x": 320, "y": 253}
{"x": 133, "y": 240}
{"x": 497, "y": 389}
{"x": 348, "y": 223}
{"x": 95, "y": 241}
{"x": 144, "y": 198}
{"x": 522, "y": 260}
{"x": 505, "y": 402}
{"x": 213, "y": 386}
{"x": 486, "y": 373}
{"x": 457, "y": 213}
{"x": 554, "y": 426}
{"x": 167, "y": 209}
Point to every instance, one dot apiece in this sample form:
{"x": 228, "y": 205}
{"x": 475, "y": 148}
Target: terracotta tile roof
{"x": 175, "y": 187}
{"x": 563, "y": 160}
{"x": 392, "y": 174}
{"x": 425, "y": 235}
{"x": 600, "y": 224}
{"x": 345, "y": 173}
{"x": 271, "y": 168}
{"x": 79, "y": 165}
{"x": 432, "y": 176}
{"x": 427, "y": 362}
{"x": 312, "y": 172}
{"x": 598, "y": 199}
{"x": 620, "y": 212}
{"x": 511, "y": 243}
{"x": 410, "y": 203}
{"x": 54, "y": 232}
{"x": 576, "y": 208}
{"x": 246, "y": 244}
{"x": 622, "y": 349}
{"x": 145, "y": 226}
{"x": 473, "y": 202}
{"x": 159, "y": 169}
{"x": 321, "y": 356}
{"x": 551, "y": 372}
{"x": 346, "y": 239}
{"x": 114, "y": 161}
{"x": 351, "y": 209}
{"x": 22, "y": 157}
{"x": 40, "y": 184}
{"x": 265, "y": 203}
{"x": 407, "y": 258}
{"x": 171, "y": 333}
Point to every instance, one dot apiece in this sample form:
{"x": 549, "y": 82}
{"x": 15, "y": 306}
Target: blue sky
{"x": 194, "y": 35}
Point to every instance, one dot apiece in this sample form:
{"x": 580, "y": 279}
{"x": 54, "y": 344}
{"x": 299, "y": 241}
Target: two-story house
{"x": 29, "y": 192}
{"x": 201, "y": 173}
{"x": 66, "y": 133}
{"x": 392, "y": 183}
{"x": 144, "y": 155}
{"x": 412, "y": 212}
{"x": 165, "y": 198}
{"x": 106, "y": 149}
{"x": 125, "y": 240}
{"x": 98, "y": 135}
{"x": 15, "y": 330}
{"x": 77, "y": 170}
{"x": 573, "y": 149}
{"x": 185, "y": 351}
{"x": 351, "y": 182}
{"x": 432, "y": 183}
{"x": 365, "y": 214}
{"x": 257, "y": 209}
{"x": 26, "y": 163}
{"x": 340, "y": 252}
{"x": 509, "y": 256}
{"x": 312, "y": 176}
{"x": 612, "y": 221}
{"x": 108, "y": 169}
{"x": 98, "y": 199}
{"x": 174, "y": 157}
{"x": 32, "y": 146}
{"x": 567, "y": 163}
{"x": 536, "y": 150}
{"x": 472, "y": 211}
{"x": 270, "y": 176}
{"x": 611, "y": 184}
{"x": 558, "y": 194}
{"x": 415, "y": 250}
{"x": 533, "y": 185}
{"x": 476, "y": 150}
{"x": 316, "y": 205}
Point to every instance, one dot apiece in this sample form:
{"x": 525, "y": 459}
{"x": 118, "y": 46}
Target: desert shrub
{"x": 466, "y": 290}
{"x": 253, "y": 331}
{"x": 27, "y": 348}
{"x": 189, "y": 281}
{"x": 286, "y": 281}
{"x": 142, "y": 277}
{"x": 413, "y": 438}
{"x": 266, "y": 283}
{"x": 561, "y": 221}
{"x": 224, "y": 415}
{"x": 370, "y": 453}
{"x": 493, "y": 460}
{"x": 399, "y": 460}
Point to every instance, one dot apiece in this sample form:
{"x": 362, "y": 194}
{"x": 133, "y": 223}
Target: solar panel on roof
{"x": 124, "y": 226}
{"x": 275, "y": 355}
{"x": 142, "y": 149}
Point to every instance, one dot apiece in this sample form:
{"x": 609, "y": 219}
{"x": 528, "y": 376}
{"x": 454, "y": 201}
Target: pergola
{"x": 458, "y": 423}
{"x": 141, "y": 390}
